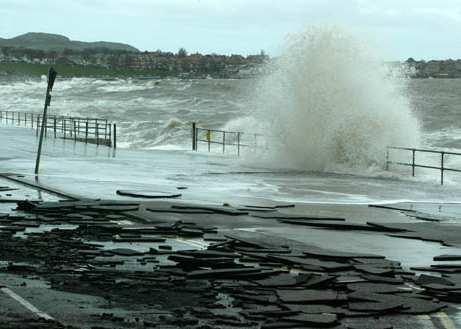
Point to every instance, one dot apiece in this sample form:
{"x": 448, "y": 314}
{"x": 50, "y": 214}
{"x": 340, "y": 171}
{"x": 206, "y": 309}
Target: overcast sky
{"x": 400, "y": 28}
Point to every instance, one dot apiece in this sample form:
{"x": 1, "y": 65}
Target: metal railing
{"x": 87, "y": 130}
{"x": 224, "y": 141}
{"x": 413, "y": 164}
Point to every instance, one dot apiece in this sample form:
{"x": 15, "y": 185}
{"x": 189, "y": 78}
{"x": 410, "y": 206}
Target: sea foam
{"x": 330, "y": 101}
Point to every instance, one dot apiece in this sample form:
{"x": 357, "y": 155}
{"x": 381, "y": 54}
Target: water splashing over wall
{"x": 330, "y": 102}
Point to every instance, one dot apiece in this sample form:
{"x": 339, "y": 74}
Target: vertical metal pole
{"x": 51, "y": 78}
{"x": 64, "y": 127}
{"x": 194, "y": 139}
{"x": 86, "y": 132}
{"x": 115, "y": 136}
{"x": 223, "y": 142}
{"x": 75, "y": 131}
{"x": 110, "y": 135}
{"x": 413, "y": 162}
{"x": 105, "y": 131}
{"x": 36, "y": 131}
{"x": 238, "y": 143}
{"x": 387, "y": 158}
{"x": 54, "y": 126}
{"x": 441, "y": 167}
{"x": 209, "y": 140}
{"x": 97, "y": 133}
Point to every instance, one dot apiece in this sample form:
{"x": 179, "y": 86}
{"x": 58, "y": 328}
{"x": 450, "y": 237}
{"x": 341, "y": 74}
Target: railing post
{"x": 110, "y": 134}
{"x": 208, "y": 137}
{"x": 238, "y": 143}
{"x": 105, "y": 131}
{"x": 442, "y": 154}
{"x": 194, "y": 137}
{"x": 387, "y": 158}
{"x": 97, "y": 133}
{"x": 75, "y": 131}
{"x": 38, "y": 118}
{"x": 115, "y": 136}
{"x": 86, "y": 132}
{"x": 223, "y": 142}
{"x": 413, "y": 151}
{"x": 54, "y": 126}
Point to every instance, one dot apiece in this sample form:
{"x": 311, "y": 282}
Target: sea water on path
{"x": 99, "y": 171}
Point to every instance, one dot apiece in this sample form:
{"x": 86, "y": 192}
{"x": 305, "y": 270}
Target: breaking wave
{"x": 329, "y": 102}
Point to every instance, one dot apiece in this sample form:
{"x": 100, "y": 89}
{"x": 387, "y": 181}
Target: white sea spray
{"x": 331, "y": 102}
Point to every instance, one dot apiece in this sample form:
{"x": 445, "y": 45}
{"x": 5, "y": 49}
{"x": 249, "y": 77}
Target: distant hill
{"x": 48, "y": 42}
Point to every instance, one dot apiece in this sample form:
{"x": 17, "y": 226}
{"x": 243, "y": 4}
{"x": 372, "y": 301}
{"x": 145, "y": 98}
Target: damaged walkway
{"x": 170, "y": 264}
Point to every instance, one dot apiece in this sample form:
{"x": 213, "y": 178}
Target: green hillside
{"x": 48, "y": 42}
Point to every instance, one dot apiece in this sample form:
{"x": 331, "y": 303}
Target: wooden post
{"x": 194, "y": 137}
{"x": 441, "y": 167}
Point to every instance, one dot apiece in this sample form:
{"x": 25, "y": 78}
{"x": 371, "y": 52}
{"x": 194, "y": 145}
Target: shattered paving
{"x": 162, "y": 260}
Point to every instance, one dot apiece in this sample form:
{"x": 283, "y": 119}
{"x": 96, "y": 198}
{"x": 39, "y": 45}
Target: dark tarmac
{"x": 156, "y": 263}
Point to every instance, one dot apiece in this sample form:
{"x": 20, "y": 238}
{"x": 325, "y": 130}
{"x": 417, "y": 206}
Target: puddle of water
{"x": 176, "y": 244}
{"x": 44, "y": 228}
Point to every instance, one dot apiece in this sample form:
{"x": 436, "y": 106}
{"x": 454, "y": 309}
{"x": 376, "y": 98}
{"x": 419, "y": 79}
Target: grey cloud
{"x": 404, "y": 28}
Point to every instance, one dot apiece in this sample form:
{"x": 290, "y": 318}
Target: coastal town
{"x": 115, "y": 56}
